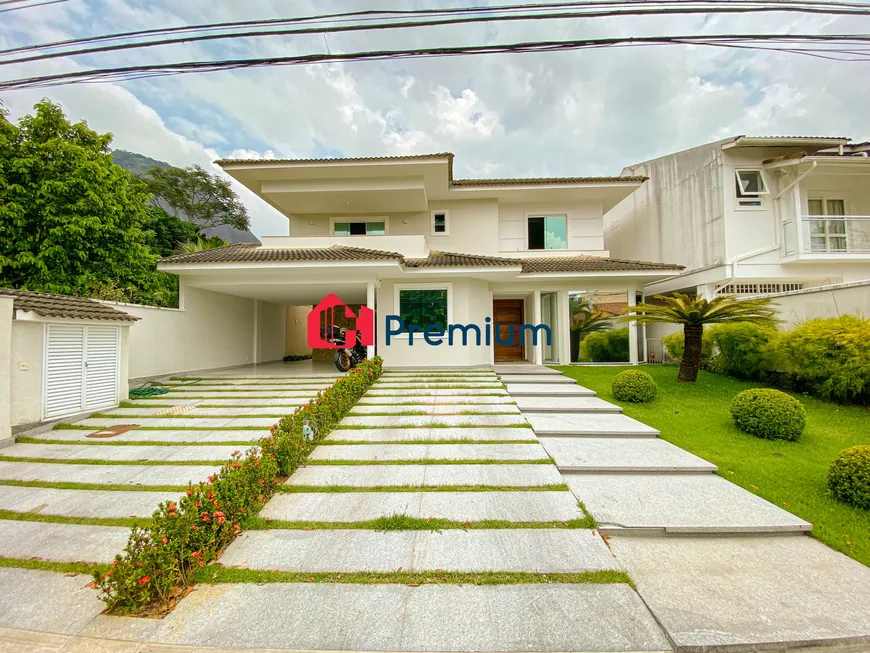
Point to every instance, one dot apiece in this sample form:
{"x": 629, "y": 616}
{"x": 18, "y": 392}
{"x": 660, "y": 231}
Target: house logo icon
{"x": 323, "y": 332}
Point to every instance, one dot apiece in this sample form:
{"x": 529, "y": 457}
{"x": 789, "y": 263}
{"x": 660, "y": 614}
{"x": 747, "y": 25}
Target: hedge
{"x": 770, "y": 414}
{"x": 675, "y": 343}
{"x": 745, "y": 350}
{"x": 634, "y": 386}
{"x": 157, "y": 565}
{"x": 606, "y": 346}
{"x": 849, "y": 476}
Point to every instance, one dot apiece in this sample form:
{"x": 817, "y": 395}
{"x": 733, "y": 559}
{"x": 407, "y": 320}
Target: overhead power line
{"x": 3, "y": 3}
{"x": 842, "y": 47}
{"x": 399, "y": 19}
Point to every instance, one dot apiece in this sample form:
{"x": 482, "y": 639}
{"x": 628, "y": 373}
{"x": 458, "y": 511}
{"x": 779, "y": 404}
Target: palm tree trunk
{"x": 690, "y": 364}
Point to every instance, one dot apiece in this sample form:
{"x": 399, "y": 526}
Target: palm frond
{"x": 684, "y": 309}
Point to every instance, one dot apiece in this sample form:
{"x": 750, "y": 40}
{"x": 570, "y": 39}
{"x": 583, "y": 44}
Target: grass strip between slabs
{"x": 109, "y": 487}
{"x": 427, "y": 441}
{"x": 129, "y": 522}
{"x": 338, "y": 489}
{"x": 408, "y": 523}
{"x": 100, "y": 461}
{"x": 432, "y": 461}
{"x": 219, "y": 574}
{"x": 87, "y": 568}
{"x": 140, "y": 443}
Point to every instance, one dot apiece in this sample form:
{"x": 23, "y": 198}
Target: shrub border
{"x": 160, "y": 560}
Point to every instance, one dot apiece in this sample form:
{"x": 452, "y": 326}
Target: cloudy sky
{"x": 570, "y": 113}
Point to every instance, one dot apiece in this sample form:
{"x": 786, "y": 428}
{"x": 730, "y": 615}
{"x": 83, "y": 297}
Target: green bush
{"x": 746, "y": 351}
{"x": 769, "y": 414}
{"x": 606, "y": 346}
{"x": 849, "y": 476}
{"x": 159, "y": 560}
{"x": 635, "y": 386}
{"x": 830, "y": 356}
{"x": 674, "y": 344}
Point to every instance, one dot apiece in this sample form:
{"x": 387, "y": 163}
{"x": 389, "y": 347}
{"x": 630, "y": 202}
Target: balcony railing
{"x": 836, "y": 234}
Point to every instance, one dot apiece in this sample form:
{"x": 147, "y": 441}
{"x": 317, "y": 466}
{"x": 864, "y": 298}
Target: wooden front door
{"x": 507, "y": 318}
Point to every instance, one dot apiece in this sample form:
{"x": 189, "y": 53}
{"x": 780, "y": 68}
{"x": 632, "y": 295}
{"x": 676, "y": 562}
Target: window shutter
{"x": 101, "y": 366}
{"x": 64, "y": 369}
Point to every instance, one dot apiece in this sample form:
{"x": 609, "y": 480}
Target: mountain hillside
{"x": 139, "y": 165}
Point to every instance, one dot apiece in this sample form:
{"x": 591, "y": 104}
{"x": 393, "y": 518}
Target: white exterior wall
{"x": 6, "y": 311}
{"x": 212, "y": 330}
{"x": 585, "y": 225}
{"x": 828, "y": 301}
{"x": 677, "y": 216}
{"x": 471, "y": 303}
{"x": 27, "y": 349}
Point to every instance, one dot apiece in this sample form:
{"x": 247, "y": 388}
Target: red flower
{"x": 165, "y": 540}
{"x": 145, "y": 580}
{"x": 261, "y": 481}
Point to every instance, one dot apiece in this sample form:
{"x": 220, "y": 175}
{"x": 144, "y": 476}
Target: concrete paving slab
{"x": 437, "y": 409}
{"x": 525, "y": 369}
{"x": 201, "y": 395}
{"x": 434, "y": 421}
{"x": 453, "y": 380}
{"x": 426, "y": 400}
{"x": 430, "y": 452}
{"x": 622, "y": 455}
{"x": 182, "y": 423}
{"x": 393, "y": 392}
{"x": 324, "y": 616}
{"x": 46, "y": 601}
{"x": 549, "y": 550}
{"x": 586, "y": 424}
{"x": 457, "y": 506}
{"x": 537, "y": 378}
{"x": 749, "y": 592}
{"x": 412, "y": 434}
{"x": 547, "y": 390}
{"x": 106, "y": 474}
{"x": 61, "y": 542}
{"x": 427, "y": 475}
{"x": 169, "y": 436}
{"x": 217, "y": 453}
{"x": 223, "y": 411}
{"x": 450, "y": 385}
{"x": 566, "y": 404}
{"x": 82, "y": 503}
{"x": 678, "y": 503}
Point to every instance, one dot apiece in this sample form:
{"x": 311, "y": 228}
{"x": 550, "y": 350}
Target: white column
{"x": 370, "y": 302}
{"x": 6, "y": 311}
{"x": 564, "y": 327}
{"x": 632, "y": 328}
{"x": 536, "y": 313}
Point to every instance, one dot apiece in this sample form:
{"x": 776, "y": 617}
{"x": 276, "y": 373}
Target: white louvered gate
{"x": 81, "y": 368}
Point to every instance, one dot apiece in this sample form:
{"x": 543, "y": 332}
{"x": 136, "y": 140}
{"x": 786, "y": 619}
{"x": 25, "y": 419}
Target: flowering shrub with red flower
{"x": 159, "y": 560}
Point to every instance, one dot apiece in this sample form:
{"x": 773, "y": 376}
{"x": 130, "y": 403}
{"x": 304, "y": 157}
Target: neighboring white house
{"x": 402, "y": 236}
{"x": 750, "y": 216}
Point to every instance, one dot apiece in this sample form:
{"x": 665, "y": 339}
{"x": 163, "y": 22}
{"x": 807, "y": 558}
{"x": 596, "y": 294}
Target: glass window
{"x": 750, "y": 187}
{"x": 424, "y": 307}
{"x": 439, "y": 223}
{"x": 548, "y": 232}
{"x": 359, "y": 228}
{"x": 828, "y": 235}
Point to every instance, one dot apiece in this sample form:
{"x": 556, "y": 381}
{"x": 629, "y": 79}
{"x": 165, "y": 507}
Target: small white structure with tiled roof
{"x": 402, "y": 236}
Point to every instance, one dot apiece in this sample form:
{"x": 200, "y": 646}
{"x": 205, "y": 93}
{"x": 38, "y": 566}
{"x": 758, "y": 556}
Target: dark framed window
{"x": 423, "y": 307}
{"x": 548, "y": 232}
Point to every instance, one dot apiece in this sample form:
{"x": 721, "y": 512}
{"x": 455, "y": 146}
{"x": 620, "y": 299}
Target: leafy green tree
{"x": 204, "y": 199}
{"x": 199, "y": 244}
{"x": 693, "y": 313}
{"x": 70, "y": 219}
{"x": 167, "y": 231}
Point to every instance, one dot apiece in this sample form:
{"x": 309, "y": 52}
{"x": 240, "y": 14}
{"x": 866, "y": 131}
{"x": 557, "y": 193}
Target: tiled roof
{"x": 519, "y": 181}
{"x": 454, "y": 260}
{"x": 590, "y": 264}
{"x": 49, "y": 305}
{"x": 254, "y": 252}
{"x": 546, "y": 180}
{"x": 797, "y": 138}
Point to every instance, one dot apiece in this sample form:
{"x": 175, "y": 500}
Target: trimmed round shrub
{"x": 769, "y": 414}
{"x": 635, "y": 386}
{"x": 849, "y": 476}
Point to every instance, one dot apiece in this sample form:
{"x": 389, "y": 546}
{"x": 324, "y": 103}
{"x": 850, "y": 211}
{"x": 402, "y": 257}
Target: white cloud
{"x": 464, "y": 117}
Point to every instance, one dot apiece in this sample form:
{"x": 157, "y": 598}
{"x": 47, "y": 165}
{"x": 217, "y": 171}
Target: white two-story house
{"x": 403, "y": 237}
{"x": 750, "y": 216}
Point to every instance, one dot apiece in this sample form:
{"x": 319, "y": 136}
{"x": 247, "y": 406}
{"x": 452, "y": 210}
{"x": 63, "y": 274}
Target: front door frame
{"x": 521, "y": 305}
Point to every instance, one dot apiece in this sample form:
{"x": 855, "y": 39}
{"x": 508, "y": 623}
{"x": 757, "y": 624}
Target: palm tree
{"x": 583, "y": 323}
{"x": 199, "y": 244}
{"x": 693, "y": 313}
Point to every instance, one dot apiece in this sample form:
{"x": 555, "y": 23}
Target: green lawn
{"x": 790, "y": 474}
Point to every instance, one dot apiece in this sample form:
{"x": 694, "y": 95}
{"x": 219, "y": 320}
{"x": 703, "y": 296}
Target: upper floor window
{"x": 750, "y": 187}
{"x": 548, "y": 231}
{"x": 378, "y": 228}
{"x": 440, "y": 223}
{"x": 828, "y": 235}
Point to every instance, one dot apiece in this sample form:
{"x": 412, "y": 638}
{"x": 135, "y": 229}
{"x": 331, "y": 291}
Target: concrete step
{"x": 549, "y": 550}
{"x": 61, "y": 542}
{"x": 589, "y": 424}
{"x": 547, "y": 390}
{"x": 503, "y": 369}
{"x": 427, "y": 475}
{"x": 412, "y": 434}
{"x": 677, "y": 503}
{"x": 132, "y": 475}
{"x": 435, "y": 400}
{"x": 457, "y": 506}
{"x": 387, "y": 452}
{"x": 434, "y": 421}
{"x": 631, "y": 455}
{"x": 120, "y": 453}
{"x": 169, "y": 436}
{"x": 566, "y": 404}
{"x": 82, "y": 503}
{"x": 537, "y": 378}
{"x": 409, "y": 394}
{"x": 182, "y": 422}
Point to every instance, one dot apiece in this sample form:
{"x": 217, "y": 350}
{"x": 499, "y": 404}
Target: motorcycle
{"x": 346, "y": 357}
